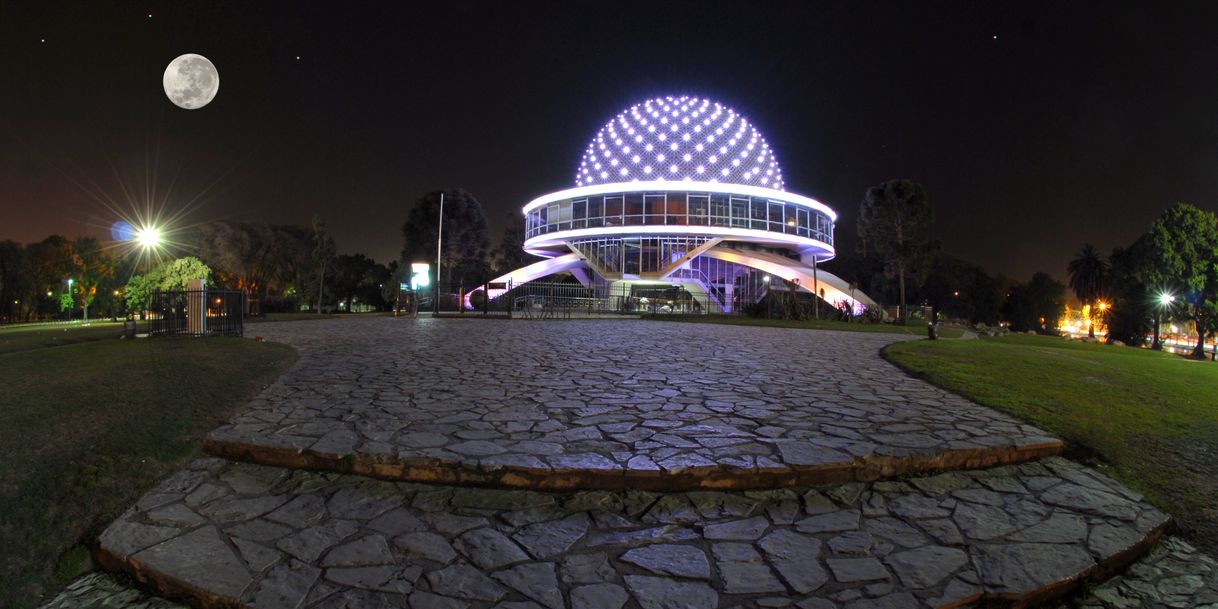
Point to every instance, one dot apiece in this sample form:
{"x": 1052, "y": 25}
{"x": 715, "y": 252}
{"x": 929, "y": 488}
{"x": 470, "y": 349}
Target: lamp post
{"x": 435, "y": 304}
{"x": 1165, "y": 300}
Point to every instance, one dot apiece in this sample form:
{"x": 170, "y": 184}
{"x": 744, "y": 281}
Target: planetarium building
{"x": 683, "y": 194}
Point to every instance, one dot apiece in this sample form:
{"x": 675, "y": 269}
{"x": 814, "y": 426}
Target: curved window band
{"x": 681, "y": 209}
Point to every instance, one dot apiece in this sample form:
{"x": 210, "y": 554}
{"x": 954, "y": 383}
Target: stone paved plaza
{"x": 630, "y": 465}
{"x": 273, "y": 537}
{"x": 610, "y": 404}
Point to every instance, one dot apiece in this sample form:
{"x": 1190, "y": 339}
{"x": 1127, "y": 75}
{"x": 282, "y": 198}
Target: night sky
{"x": 1035, "y": 127}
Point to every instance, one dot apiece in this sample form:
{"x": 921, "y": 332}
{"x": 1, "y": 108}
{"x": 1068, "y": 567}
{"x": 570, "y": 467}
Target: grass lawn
{"x": 23, "y": 337}
{"x": 811, "y": 324}
{"x": 85, "y": 429}
{"x": 1149, "y": 419}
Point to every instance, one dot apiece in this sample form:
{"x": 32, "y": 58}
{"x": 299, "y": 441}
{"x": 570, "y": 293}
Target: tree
{"x": 945, "y": 278}
{"x": 1036, "y": 305}
{"x": 893, "y": 221}
{"x": 1088, "y": 273}
{"x": 1131, "y": 301}
{"x": 93, "y": 269}
{"x": 14, "y": 282}
{"x": 1182, "y": 249}
{"x": 510, "y": 254}
{"x": 358, "y": 277}
{"x": 465, "y": 245}
{"x": 172, "y": 275}
{"x": 323, "y": 255}
{"x": 50, "y": 266}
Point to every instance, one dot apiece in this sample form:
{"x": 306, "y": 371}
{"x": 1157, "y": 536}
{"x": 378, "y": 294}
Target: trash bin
{"x": 932, "y": 324}
{"x": 129, "y": 328}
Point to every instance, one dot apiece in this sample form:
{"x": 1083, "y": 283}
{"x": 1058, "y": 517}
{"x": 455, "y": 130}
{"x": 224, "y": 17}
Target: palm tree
{"x": 1088, "y": 271}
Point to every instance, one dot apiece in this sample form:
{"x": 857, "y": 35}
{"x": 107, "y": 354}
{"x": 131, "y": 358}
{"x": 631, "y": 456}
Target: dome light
{"x": 723, "y": 145}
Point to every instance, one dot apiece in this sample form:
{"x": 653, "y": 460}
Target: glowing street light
{"x": 1165, "y": 300}
{"x": 148, "y": 237}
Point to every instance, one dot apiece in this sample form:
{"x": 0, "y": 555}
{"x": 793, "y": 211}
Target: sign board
{"x": 420, "y": 275}
{"x": 497, "y": 285}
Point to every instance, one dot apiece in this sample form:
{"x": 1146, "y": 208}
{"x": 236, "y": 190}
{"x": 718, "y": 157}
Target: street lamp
{"x": 1165, "y": 300}
{"x": 1102, "y": 307}
{"x": 148, "y": 237}
{"x": 70, "y": 281}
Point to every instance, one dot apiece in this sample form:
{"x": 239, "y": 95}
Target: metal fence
{"x": 196, "y": 313}
{"x": 549, "y": 300}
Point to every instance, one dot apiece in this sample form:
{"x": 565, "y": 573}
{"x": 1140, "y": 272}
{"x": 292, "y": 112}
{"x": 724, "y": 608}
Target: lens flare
{"x": 148, "y": 237}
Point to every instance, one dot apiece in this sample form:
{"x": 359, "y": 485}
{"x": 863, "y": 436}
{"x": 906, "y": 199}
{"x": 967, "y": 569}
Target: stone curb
{"x": 717, "y": 477}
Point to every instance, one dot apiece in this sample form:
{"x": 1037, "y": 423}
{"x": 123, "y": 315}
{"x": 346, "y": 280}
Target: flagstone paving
{"x": 636, "y": 465}
{"x": 609, "y": 404}
{"x": 270, "y": 537}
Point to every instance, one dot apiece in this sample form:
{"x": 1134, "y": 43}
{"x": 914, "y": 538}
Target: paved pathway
{"x": 683, "y": 454}
{"x": 273, "y": 537}
{"x": 610, "y": 404}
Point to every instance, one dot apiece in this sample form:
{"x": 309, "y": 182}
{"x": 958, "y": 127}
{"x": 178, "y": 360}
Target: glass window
{"x": 596, "y": 212}
{"x": 579, "y": 213}
{"x": 803, "y": 221}
{"x": 630, "y": 256}
{"x": 776, "y": 216}
{"x": 760, "y": 214}
{"x": 675, "y": 212}
{"x": 613, "y": 210}
{"x": 634, "y": 208}
{"x": 721, "y": 210}
{"x": 790, "y": 221}
{"x": 654, "y": 208}
{"x": 699, "y": 206}
{"x": 740, "y": 212}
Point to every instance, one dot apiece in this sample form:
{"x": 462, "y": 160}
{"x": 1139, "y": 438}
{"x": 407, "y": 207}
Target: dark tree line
{"x": 34, "y": 279}
{"x": 899, "y": 263}
{"x": 466, "y": 258}
{"x": 1168, "y": 273}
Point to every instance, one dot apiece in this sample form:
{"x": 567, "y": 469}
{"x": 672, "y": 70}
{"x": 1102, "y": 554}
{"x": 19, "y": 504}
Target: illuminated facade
{"x": 685, "y": 193}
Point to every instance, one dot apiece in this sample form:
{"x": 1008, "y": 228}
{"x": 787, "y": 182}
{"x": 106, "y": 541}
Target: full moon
{"x": 191, "y": 81}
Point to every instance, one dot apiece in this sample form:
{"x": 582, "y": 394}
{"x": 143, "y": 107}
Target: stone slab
{"x": 482, "y": 548}
{"x": 609, "y": 404}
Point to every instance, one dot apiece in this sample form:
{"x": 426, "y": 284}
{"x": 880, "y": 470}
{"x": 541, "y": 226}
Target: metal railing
{"x": 196, "y": 313}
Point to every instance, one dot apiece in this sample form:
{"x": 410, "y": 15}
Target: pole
{"x": 815, "y": 289}
{"x": 435, "y": 305}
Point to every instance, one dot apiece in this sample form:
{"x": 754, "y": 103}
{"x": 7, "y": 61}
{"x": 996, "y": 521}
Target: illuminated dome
{"x": 679, "y": 139}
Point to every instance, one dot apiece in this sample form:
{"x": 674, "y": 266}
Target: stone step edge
{"x": 174, "y": 588}
{"x": 161, "y": 584}
{"x": 717, "y": 477}
{"x": 1101, "y": 572}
